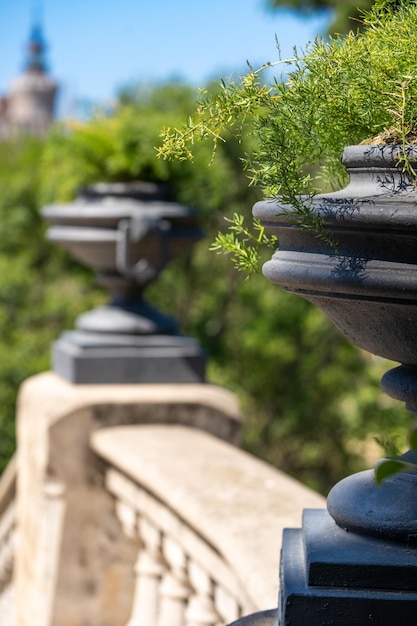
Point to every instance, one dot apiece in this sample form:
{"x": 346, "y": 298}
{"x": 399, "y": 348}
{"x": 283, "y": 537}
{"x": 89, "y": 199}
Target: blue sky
{"x": 97, "y": 46}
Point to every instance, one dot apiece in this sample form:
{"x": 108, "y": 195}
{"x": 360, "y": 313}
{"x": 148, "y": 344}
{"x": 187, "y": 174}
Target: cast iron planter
{"x": 127, "y": 232}
{"x": 366, "y": 282}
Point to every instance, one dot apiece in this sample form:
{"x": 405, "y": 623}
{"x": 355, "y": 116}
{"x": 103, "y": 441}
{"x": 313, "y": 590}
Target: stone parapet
{"x": 134, "y": 506}
{"x": 223, "y": 509}
{"x": 73, "y": 565}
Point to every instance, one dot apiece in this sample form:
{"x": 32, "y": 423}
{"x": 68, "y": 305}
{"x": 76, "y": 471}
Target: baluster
{"x": 175, "y": 588}
{"x": 201, "y": 610}
{"x": 127, "y": 517}
{"x": 149, "y": 569}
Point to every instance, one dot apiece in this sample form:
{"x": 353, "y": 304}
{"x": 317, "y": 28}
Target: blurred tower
{"x": 29, "y": 106}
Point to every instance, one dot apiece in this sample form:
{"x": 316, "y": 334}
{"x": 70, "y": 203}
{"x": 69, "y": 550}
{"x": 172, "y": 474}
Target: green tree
{"x": 344, "y": 15}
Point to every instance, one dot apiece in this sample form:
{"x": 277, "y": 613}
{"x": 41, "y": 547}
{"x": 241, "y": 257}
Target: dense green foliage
{"x": 40, "y": 290}
{"x": 338, "y": 92}
{"x": 122, "y": 147}
{"x": 311, "y": 400}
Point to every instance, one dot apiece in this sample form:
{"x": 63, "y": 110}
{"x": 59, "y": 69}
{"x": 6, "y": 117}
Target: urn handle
{"x": 132, "y": 230}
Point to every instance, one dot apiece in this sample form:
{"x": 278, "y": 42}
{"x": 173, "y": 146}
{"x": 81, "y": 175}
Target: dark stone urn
{"x": 127, "y": 233}
{"x": 356, "y": 563}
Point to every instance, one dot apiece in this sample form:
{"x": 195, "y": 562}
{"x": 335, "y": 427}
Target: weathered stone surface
{"x": 161, "y": 453}
{"x": 73, "y": 565}
{"x": 236, "y": 502}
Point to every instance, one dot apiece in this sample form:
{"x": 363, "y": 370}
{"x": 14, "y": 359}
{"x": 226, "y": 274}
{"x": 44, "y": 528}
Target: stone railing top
{"x": 58, "y": 472}
{"x": 237, "y": 503}
{"x": 204, "y": 393}
{"x": 49, "y": 397}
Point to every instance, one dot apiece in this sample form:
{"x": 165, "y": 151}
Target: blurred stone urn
{"x": 365, "y": 280}
{"x": 127, "y": 232}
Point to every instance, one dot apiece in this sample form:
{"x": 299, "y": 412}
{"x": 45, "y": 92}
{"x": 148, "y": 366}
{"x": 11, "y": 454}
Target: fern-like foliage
{"x": 336, "y": 92}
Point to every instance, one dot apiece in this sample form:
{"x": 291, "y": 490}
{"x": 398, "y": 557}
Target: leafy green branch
{"x": 395, "y": 464}
{"x": 403, "y": 130}
{"x": 228, "y": 110}
{"x": 242, "y": 244}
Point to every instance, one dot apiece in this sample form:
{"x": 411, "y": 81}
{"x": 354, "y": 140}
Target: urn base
{"x": 88, "y": 358}
{"x": 331, "y": 576}
{"x": 389, "y": 510}
{"x": 126, "y": 318}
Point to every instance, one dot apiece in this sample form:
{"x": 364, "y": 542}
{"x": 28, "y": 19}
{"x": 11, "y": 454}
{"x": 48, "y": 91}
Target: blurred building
{"x": 29, "y": 105}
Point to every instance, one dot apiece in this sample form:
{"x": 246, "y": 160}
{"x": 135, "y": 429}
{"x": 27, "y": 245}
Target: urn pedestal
{"x": 356, "y": 563}
{"x": 127, "y": 233}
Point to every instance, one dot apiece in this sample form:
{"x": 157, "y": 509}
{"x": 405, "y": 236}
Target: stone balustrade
{"x": 207, "y": 518}
{"x": 7, "y": 542}
{"x": 132, "y": 505}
